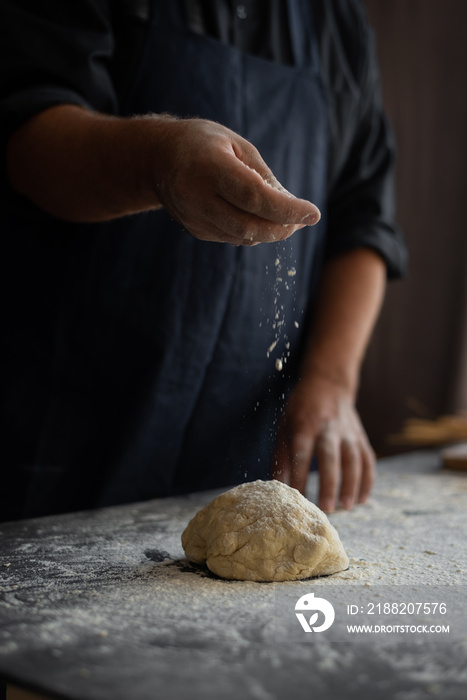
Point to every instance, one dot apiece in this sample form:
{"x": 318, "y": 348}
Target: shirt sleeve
{"x": 53, "y": 52}
{"x": 362, "y": 203}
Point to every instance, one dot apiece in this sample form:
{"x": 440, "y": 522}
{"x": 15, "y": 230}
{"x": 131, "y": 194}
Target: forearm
{"x": 83, "y": 166}
{"x": 349, "y": 299}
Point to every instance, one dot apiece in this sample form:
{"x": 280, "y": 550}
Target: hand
{"x": 320, "y": 419}
{"x": 217, "y": 186}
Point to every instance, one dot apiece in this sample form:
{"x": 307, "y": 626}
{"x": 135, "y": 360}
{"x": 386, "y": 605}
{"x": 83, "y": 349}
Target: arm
{"x": 320, "y": 417}
{"x": 84, "y": 166}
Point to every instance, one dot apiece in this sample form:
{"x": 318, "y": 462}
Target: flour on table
{"x": 264, "y": 531}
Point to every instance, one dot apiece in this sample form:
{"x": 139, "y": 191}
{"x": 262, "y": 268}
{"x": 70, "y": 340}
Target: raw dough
{"x": 264, "y": 531}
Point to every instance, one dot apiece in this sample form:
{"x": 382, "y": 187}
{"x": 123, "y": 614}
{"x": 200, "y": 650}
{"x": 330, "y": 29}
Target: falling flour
{"x": 279, "y": 321}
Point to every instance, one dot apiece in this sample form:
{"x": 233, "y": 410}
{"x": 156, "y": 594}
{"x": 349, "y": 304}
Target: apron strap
{"x": 304, "y": 43}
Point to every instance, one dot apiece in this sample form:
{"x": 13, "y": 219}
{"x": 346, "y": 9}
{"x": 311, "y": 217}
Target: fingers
{"x": 212, "y": 233}
{"x": 351, "y": 463}
{"x": 368, "y": 473}
{"x": 327, "y": 453}
{"x": 245, "y": 188}
{"x": 347, "y": 472}
{"x": 346, "y": 467}
{"x": 211, "y": 217}
{"x": 247, "y": 227}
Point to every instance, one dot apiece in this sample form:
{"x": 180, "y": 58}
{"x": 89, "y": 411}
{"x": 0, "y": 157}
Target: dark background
{"x": 417, "y": 360}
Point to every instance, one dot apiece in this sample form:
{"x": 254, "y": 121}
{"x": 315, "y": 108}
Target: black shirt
{"x": 85, "y": 52}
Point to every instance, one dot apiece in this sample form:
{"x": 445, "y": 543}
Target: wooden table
{"x": 102, "y": 605}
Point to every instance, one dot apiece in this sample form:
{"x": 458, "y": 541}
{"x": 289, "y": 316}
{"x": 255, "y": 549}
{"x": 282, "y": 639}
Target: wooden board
{"x": 455, "y": 457}
{"x": 14, "y": 693}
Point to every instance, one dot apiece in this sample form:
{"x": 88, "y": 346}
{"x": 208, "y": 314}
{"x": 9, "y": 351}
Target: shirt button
{"x": 241, "y": 12}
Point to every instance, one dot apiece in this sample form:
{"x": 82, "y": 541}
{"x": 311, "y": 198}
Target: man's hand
{"x": 216, "y": 185}
{"x": 320, "y": 419}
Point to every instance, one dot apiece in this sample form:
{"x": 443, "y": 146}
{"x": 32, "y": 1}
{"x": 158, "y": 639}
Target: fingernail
{"x": 346, "y": 503}
{"x": 312, "y": 218}
{"x": 327, "y": 506}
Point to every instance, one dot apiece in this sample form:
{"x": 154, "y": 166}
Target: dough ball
{"x": 264, "y": 531}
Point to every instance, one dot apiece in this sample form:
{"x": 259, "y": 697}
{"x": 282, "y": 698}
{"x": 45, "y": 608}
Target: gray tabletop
{"x": 103, "y": 605}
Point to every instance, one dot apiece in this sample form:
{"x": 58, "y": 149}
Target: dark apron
{"x": 162, "y": 383}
